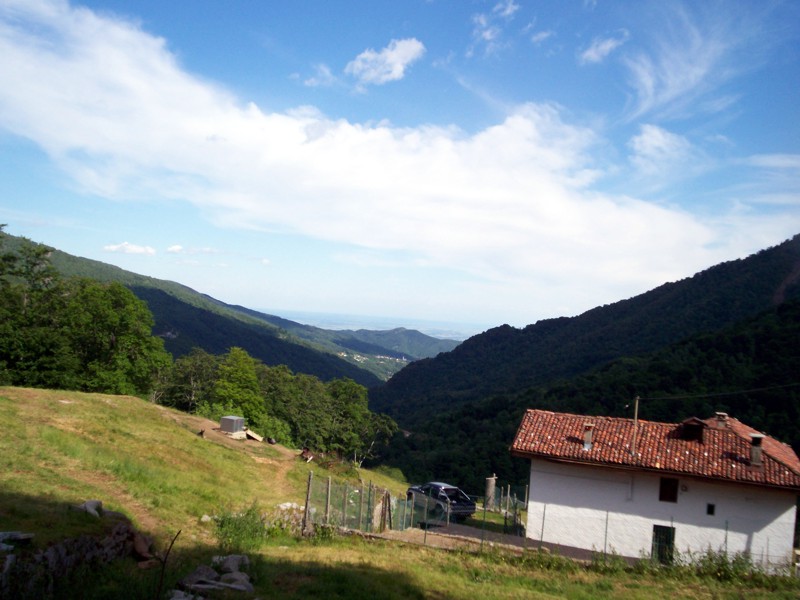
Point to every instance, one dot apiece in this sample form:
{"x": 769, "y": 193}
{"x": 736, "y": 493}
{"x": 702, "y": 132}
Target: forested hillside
{"x": 507, "y": 360}
{"x": 76, "y": 333}
{"x": 184, "y": 327}
{"x": 186, "y": 319}
{"x": 750, "y": 370}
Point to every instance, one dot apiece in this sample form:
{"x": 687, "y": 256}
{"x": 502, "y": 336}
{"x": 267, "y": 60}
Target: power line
{"x": 734, "y": 393}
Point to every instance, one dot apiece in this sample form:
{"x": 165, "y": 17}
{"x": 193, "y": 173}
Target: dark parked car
{"x": 440, "y": 497}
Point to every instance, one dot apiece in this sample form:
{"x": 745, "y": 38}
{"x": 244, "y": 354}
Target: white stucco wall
{"x": 612, "y": 510}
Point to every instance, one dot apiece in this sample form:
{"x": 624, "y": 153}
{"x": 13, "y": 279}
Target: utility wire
{"x": 734, "y": 393}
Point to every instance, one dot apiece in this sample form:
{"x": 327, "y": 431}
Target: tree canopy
{"x": 72, "y": 333}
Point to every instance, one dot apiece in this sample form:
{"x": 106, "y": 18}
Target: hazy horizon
{"x": 338, "y": 321}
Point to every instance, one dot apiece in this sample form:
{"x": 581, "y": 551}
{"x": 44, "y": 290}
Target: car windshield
{"x": 455, "y": 494}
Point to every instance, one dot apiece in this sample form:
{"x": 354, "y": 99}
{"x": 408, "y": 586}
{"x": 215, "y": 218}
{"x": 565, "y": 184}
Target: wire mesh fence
{"x": 502, "y": 515}
{"x": 371, "y": 509}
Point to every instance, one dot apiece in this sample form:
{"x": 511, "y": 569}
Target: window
{"x": 710, "y": 509}
{"x": 668, "y": 491}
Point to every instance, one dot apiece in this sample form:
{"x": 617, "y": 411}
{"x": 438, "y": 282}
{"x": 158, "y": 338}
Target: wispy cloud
{"x": 776, "y": 161}
{"x": 390, "y": 64}
{"x": 689, "y": 59}
{"x": 126, "y": 248}
{"x": 541, "y": 36}
{"x": 178, "y": 249}
{"x": 659, "y": 156}
{"x": 487, "y": 30}
{"x": 323, "y": 77}
{"x": 505, "y": 9}
{"x": 601, "y": 48}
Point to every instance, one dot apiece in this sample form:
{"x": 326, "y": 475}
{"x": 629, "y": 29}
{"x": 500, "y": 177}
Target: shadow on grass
{"x": 52, "y": 521}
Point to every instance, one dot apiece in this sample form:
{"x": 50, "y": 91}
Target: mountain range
{"x": 726, "y": 339}
{"x": 507, "y": 359}
{"x": 186, "y": 319}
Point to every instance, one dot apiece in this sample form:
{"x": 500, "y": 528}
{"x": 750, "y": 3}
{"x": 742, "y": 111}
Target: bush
{"x": 241, "y": 532}
{"x": 273, "y": 427}
{"x": 608, "y": 562}
{"x": 717, "y": 564}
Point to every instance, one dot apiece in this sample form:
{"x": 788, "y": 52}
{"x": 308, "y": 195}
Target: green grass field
{"x": 62, "y": 448}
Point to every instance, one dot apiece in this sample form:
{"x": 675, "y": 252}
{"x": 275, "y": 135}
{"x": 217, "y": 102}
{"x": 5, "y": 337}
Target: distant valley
{"x": 186, "y": 319}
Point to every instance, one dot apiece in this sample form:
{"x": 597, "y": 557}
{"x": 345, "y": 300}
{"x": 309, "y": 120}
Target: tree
{"x": 110, "y": 332}
{"x": 190, "y": 381}
{"x": 237, "y": 384}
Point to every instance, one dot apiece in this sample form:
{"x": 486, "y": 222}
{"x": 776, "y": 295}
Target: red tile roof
{"x": 722, "y": 454}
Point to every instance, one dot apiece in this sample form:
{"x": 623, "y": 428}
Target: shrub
{"x": 273, "y": 427}
{"x": 242, "y": 531}
{"x": 608, "y": 562}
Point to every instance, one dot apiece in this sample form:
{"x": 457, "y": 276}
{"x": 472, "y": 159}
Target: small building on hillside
{"x": 233, "y": 426}
{"x": 648, "y": 489}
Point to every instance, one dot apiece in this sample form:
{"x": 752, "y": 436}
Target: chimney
{"x": 755, "y": 449}
{"x": 588, "y": 428}
{"x": 722, "y": 420}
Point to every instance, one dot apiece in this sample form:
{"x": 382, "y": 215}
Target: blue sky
{"x": 452, "y": 161}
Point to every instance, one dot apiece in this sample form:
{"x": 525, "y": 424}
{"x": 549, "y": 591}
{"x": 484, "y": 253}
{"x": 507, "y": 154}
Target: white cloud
{"x": 655, "y": 149}
{"x": 660, "y": 157}
{"x": 689, "y": 59}
{"x": 178, "y": 249}
{"x": 488, "y": 27}
{"x": 390, "y": 64}
{"x": 542, "y": 36}
{"x": 505, "y": 9}
{"x": 511, "y": 205}
{"x": 600, "y": 48}
{"x": 323, "y": 77}
{"x": 126, "y": 248}
{"x": 776, "y": 161}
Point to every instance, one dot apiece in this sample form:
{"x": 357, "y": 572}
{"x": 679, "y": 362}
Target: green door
{"x": 663, "y": 544}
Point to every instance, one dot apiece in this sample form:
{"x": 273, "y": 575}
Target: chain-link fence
{"x": 358, "y": 507}
{"x": 501, "y": 515}
{"x": 371, "y": 509}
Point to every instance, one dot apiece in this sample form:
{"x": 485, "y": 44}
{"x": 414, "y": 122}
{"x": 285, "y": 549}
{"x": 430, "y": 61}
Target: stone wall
{"x": 34, "y": 575}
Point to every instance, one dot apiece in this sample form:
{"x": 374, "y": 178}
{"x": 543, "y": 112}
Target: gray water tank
{"x": 231, "y": 424}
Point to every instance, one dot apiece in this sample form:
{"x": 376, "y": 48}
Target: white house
{"x": 603, "y": 484}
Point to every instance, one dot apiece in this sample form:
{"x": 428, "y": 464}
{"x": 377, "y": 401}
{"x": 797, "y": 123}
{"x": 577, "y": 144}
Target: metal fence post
{"x": 425, "y": 536}
{"x": 369, "y": 509}
{"x": 307, "y": 509}
{"x": 360, "y": 505}
{"x": 328, "y": 502}
{"x": 483, "y": 526}
{"x": 344, "y": 507}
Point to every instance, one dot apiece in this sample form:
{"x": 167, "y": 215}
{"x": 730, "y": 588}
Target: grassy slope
{"x": 62, "y": 448}
{"x": 138, "y": 458}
